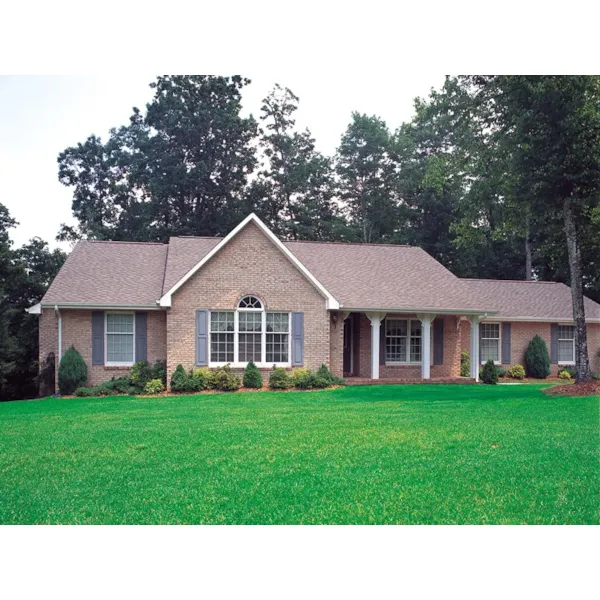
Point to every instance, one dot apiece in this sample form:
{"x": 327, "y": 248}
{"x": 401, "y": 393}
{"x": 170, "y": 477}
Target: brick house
{"x": 366, "y": 310}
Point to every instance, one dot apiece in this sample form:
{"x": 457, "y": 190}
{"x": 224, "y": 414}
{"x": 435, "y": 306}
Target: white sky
{"x": 42, "y": 115}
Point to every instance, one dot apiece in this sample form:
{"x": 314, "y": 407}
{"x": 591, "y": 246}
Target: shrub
{"x": 489, "y": 373}
{"x": 572, "y": 371}
{"x": 516, "y": 372}
{"x": 537, "y": 359}
{"x": 225, "y": 380}
{"x": 122, "y": 385}
{"x": 502, "y": 373}
{"x": 154, "y": 386}
{"x": 199, "y": 379}
{"x": 140, "y": 374}
{"x": 596, "y": 376}
{"x": 279, "y": 379}
{"x": 465, "y": 364}
{"x": 252, "y": 377}
{"x": 302, "y": 379}
{"x": 180, "y": 380}
{"x": 564, "y": 374}
{"x": 72, "y": 371}
{"x": 325, "y": 374}
{"x": 159, "y": 371}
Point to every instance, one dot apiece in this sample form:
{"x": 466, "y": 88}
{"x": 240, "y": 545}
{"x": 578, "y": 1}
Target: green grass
{"x": 387, "y": 454}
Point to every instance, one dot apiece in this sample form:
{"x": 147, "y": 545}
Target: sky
{"x": 40, "y": 116}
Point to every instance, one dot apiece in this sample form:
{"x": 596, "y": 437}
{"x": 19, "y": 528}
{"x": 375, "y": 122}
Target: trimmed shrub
{"x": 72, "y": 372}
{"x": 159, "y": 371}
{"x": 279, "y": 379}
{"x": 154, "y": 386}
{"x": 572, "y": 371}
{"x": 199, "y": 379}
{"x": 252, "y": 377}
{"x": 489, "y": 373}
{"x": 122, "y": 385}
{"x": 140, "y": 374}
{"x": 502, "y": 373}
{"x": 225, "y": 380}
{"x": 180, "y": 380}
{"x": 325, "y": 374}
{"x": 564, "y": 375}
{"x": 516, "y": 372}
{"x": 302, "y": 379}
{"x": 465, "y": 364}
{"x": 537, "y": 359}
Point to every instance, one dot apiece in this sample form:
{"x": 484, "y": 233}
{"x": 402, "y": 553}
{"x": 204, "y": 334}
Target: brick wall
{"x": 249, "y": 264}
{"x": 336, "y": 354}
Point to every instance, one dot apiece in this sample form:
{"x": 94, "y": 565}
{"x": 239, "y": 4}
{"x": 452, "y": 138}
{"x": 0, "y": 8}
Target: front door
{"x": 348, "y": 346}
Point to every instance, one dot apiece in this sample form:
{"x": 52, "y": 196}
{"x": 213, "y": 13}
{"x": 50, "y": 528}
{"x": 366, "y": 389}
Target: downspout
{"x": 59, "y": 332}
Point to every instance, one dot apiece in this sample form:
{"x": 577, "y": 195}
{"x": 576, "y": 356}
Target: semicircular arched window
{"x": 250, "y": 303}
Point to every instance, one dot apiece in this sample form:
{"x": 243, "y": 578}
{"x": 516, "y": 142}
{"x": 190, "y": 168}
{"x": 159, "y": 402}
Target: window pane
{"x": 415, "y": 348}
{"x": 278, "y": 322}
{"x": 566, "y": 332}
{"x": 490, "y": 330}
{"x": 221, "y": 321}
{"x": 277, "y": 348}
{"x": 221, "y": 347}
{"x": 250, "y": 321}
{"x": 116, "y": 323}
{"x": 119, "y": 347}
{"x": 566, "y": 351}
{"x": 396, "y": 327}
{"x": 249, "y": 347}
{"x": 250, "y": 302}
{"x": 490, "y": 350}
{"x": 415, "y": 328}
{"x": 395, "y": 349}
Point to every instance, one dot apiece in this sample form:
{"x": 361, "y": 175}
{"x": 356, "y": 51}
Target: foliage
{"x": 159, "y": 371}
{"x": 537, "y": 359}
{"x": 465, "y": 364}
{"x": 72, "y": 371}
{"x": 154, "y": 386}
{"x": 200, "y": 379}
{"x": 502, "y": 373}
{"x": 180, "y": 380}
{"x": 225, "y": 379}
{"x": 572, "y": 371}
{"x": 489, "y": 373}
{"x": 121, "y": 385}
{"x": 564, "y": 375}
{"x": 516, "y": 372}
{"x": 279, "y": 379}
{"x": 140, "y": 374}
{"x": 303, "y": 379}
{"x": 252, "y": 377}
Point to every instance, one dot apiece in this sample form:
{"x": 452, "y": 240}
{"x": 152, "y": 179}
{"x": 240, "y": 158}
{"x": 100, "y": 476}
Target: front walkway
{"x": 396, "y": 380}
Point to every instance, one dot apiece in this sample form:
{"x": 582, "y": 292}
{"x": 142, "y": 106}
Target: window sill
{"x": 566, "y": 364}
{"x": 264, "y": 366}
{"x": 406, "y": 364}
{"x": 117, "y": 367}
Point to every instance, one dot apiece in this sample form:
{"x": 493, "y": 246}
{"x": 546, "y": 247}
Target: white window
{"x": 490, "y": 342}
{"x": 119, "y": 339}
{"x": 566, "y": 344}
{"x": 403, "y": 339}
{"x": 250, "y": 334}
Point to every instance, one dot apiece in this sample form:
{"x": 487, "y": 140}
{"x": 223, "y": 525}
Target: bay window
{"x": 489, "y": 346}
{"x": 566, "y": 344}
{"x": 120, "y": 339}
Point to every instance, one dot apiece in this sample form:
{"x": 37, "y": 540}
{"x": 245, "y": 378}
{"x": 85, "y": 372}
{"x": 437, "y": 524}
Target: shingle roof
{"x": 530, "y": 299}
{"x": 107, "y": 273}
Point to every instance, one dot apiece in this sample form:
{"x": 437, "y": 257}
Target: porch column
{"x": 426, "y": 320}
{"x": 375, "y": 319}
{"x": 474, "y": 349}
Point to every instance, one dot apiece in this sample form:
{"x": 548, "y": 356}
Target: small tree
{"x": 252, "y": 376}
{"x": 537, "y": 359}
{"x": 72, "y": 372}
{"x": 489, "y": 373}
{"x": 179, "y": 380}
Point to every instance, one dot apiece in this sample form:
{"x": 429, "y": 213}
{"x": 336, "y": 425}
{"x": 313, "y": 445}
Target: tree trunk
{"x": 582, "y": 362}
{"x": 528, "y": 267}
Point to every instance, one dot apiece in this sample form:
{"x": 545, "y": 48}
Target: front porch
{"x": 395, "y": 347}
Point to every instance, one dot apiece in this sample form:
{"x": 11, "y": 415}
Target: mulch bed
{"x": 591, "y": 388}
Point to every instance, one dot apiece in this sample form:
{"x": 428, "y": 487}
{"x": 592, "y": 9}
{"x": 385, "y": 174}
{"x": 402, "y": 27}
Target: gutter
{"x": 57, "y": 311}
{"x": 421, "y": 309}
{"x": 89, "y": 306}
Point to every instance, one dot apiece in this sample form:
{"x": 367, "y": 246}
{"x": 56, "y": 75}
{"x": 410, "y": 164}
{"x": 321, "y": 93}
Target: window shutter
{"x": 480, "y": 336}
{"x": 554, "y": 343}
{"x": 141, "y": 336}
{"x": 382, "y": 342}
{"x": 438, "y": 341}
{"x": 97, "y": 337}
{"x": 202, "y": 337}
{"x": 297, "y": 339}
{"x": 506, "y": 327}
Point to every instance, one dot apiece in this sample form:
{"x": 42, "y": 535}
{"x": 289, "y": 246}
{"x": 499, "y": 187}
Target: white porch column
{"x": 375, "y": 319}
{"x": 474, "y": 351}
{"x": 426, "y": 321}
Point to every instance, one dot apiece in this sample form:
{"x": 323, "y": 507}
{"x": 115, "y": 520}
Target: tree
{"x": 179, "y": 169}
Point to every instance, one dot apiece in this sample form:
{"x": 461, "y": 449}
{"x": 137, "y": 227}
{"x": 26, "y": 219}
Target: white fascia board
{"x": 421, "y": 309}
{"x": 332, "y": 303}
{"x": 36, "y": 309}
{"x": 541, "y": 320}
{"x": 92, "y": 306}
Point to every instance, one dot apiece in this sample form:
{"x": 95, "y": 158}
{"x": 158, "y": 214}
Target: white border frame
{"x": 407, "y": 363}
{"x": 498, "y": 362}
{"x": 559, "y": 339}
{"x": 117, "y": 364}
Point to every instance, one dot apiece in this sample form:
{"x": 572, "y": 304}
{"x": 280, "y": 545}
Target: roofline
{"x": 421, "y": 309}
{"x": 332, "y": 303}
{"x": 96, "y": 306}
{"x": 542, "y": 320}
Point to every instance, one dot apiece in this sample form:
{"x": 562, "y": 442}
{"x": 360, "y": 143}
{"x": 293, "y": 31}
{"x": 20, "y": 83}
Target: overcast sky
{"x": 41, "y": 116}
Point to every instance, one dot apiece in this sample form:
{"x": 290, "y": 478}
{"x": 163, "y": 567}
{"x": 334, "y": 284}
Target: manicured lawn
{"x": 388, "y": 454}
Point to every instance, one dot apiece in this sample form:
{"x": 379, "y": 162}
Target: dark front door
{"x": 348, "y": 345}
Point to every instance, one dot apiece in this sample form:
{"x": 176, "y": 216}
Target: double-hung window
{"x": 490, "y": 342}
{"x": 403, "y": 341}
{"x": 250, "y": 333}
{"x": 566, "y": 344}
{"x": 120, "y": 339}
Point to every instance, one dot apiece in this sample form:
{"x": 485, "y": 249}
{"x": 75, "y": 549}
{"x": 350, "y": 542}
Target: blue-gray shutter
{"x": 202, "y": 337}
{"x": 438, "y": 341}
{"x": 506, "y": 327}
{"x": 297, "y": 339}
{"x": 98, "y": 337}
{"x": 382, "y": 342}
{"x": 554, "y": 343}
{"x": 141, "y": 336}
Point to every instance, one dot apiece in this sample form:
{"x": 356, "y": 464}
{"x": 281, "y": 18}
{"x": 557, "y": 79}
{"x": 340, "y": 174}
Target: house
{"x": 375, "y": 311}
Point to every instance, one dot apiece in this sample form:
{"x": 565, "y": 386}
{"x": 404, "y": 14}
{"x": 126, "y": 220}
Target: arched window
{"x": 250, "y": 333}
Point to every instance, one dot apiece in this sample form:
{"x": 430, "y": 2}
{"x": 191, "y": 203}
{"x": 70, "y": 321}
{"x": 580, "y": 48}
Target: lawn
{"x": 380, "y": 454}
